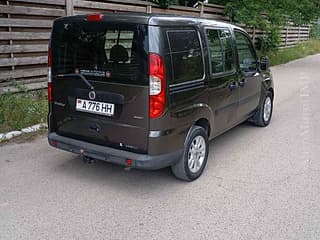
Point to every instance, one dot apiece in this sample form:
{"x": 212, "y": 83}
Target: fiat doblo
{"x": 149, "y": 91}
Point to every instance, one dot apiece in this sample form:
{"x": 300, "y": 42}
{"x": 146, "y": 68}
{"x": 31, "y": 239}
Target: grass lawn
{"x": 299, "y": 51}
{"x": 18, "y": 111}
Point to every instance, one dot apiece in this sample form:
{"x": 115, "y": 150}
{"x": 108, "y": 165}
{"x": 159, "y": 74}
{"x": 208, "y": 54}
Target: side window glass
{"x": 227, "y": 50}
{"x": 246, "y": 53}
{"x": 186, "y": 55}
{"x": 220, "y": 48}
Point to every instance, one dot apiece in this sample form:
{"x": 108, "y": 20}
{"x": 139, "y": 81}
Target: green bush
{"x": 270, "y": 41}
{"x": 299, "y": 51}
{"x": 315, "y": 31}
{"x": 23, "y": 110}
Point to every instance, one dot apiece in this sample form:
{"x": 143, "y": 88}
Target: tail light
{"x": 157, "y": 94}
{"x": 50, "y": 96}
{"x": 49, "y": 57}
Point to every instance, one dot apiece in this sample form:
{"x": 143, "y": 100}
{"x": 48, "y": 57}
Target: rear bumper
{"x": 108, "y": 154}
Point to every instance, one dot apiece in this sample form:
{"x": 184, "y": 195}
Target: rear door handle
{"x": 233, "y": 86}
{"x": 242, "y": 82}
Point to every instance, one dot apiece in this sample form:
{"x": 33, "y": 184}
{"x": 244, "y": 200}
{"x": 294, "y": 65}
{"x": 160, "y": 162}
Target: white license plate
{"x": 95, "y": 107}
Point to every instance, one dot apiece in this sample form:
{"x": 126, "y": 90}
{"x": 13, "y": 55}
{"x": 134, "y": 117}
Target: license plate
{"x": 95, "y": 107}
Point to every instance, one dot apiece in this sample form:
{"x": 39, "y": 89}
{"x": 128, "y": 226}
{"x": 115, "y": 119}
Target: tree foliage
{"x": 275, "y": 11}
{"x": 189, "y": 3}
{"x": 267, "y": 15}
{"x": 249, "y": 11}
{"x": 166, "y": 3}
{"x": 270, "y": 15}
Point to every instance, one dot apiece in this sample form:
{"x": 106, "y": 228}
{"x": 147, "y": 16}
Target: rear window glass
{"x": 101, "y": 51}
{"x": 186, "y": 55}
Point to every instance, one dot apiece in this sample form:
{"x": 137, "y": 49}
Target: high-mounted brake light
{"x": 157, "y": 93}
{"x": 95, "y": 17}
{"x": 50, "y": 96}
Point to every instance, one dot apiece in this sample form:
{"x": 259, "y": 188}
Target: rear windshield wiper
{"x": 78, "y": 75}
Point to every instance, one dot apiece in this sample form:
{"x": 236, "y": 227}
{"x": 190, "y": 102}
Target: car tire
{"x": 263, "y": 116}
{"x": 194, "y": 159}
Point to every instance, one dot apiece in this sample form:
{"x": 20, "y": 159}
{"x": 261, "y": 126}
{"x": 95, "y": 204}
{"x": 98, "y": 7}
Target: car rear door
{"x": 100, "y": 82}
{"x": 223, "y": 83}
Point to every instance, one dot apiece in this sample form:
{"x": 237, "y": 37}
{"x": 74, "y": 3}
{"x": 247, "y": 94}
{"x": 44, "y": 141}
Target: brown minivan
{"x": 149, "y": 91}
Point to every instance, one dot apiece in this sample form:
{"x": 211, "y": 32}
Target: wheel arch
{"x": 272, "y": 92}
{"x": 205, "y": 124}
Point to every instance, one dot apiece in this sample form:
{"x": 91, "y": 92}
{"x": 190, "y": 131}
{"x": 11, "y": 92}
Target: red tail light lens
{"x": 50, "y": 96}
{"x": 95, "y": 18}
{"x": 49, "y": 57}
{"x": 157, "y": 94}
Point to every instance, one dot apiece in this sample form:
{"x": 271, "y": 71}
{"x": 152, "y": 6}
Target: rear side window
{"x": 186, "y": 55}
{"x": 221, "y": 51}
{"x": 246, "y": 53}
{"x": 101, "y": 51}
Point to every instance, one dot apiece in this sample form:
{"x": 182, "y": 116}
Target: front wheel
{"x": 263, "y": 116}
{"x": 195, "y": 155}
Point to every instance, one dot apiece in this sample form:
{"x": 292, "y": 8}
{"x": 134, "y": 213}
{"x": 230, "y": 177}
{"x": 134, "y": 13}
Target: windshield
{"x": 100, "y": 51}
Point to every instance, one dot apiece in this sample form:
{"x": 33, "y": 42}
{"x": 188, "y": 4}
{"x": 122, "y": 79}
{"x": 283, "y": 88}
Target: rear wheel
{"x": 195, "y": 155}
{"x": 263, "y": 116}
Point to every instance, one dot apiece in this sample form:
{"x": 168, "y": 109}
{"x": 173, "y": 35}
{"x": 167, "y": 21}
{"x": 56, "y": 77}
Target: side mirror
{"x": 264, "y": 63}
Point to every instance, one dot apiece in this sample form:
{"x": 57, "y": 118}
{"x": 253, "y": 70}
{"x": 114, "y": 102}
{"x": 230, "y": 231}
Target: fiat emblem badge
{"x": 92, "y": 95}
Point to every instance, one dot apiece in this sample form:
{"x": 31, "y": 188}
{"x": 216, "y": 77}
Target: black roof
{"x": 153, "y": 19}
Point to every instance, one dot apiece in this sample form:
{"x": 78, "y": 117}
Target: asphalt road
{"x": 260, "y": 183}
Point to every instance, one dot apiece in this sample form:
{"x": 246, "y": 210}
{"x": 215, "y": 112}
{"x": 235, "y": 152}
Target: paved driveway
{"x": 260, "y": 183}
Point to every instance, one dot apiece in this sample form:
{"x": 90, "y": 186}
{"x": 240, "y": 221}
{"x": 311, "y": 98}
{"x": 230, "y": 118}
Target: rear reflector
{"x": 54, "y": 143}
{"x": 95, "y": 17}
{"x": 157, "y": 85}
{"x": 129, "y": 162}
